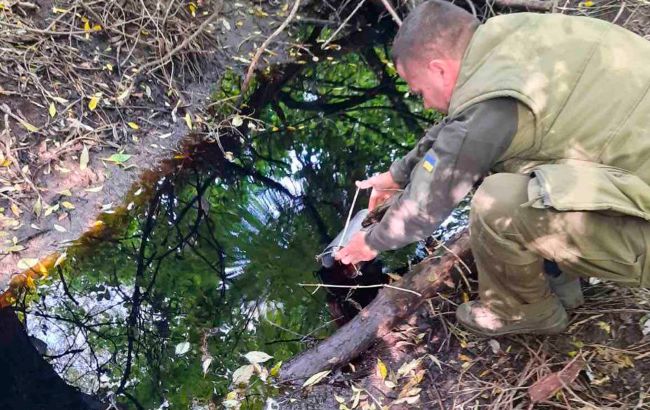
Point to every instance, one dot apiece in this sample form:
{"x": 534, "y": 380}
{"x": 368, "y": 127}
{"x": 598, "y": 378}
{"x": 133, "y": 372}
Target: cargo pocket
{"x": 568, "y": 187}
{"x": 609, "y": 240}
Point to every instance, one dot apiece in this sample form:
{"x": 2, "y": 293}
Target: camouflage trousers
{"x": 510, "y": 240}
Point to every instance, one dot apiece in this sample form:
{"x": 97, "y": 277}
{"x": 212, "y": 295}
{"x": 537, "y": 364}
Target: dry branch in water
{"x": 258, "y": 54}
{"x": 429, "y": 277}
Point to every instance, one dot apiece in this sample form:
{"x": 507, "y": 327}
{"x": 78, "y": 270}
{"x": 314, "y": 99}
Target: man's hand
{"x": 383, "y": 187}
{"x": 356, "y": 250}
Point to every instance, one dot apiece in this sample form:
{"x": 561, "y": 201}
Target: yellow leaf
{"x": 464, "y": 358}
{"x": 605, "y": 326}
{"x": 94, "y": 100}
{"x": 29, "y": 127}
{"x": 188, "y": 120}
{"x": 192, "y": 8}
{"x": 109, "y": 67}
{"x": 381, "y": 369}
{"x": 133, "y": 125}
{"x": 30, "y": 282}
{"x": 52, "y": 110}
{"x": 588, "y": 3}
{"x": 15, "y": 210}
{"x": 275, "y": 370}
{"x": 97, "y": 27}
{"x": 316, "y": 378}
{"x": 67, "y": 205}
{"x": 86, "y": 25}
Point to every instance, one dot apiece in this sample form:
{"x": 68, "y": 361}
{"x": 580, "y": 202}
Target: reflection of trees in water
{"x": 215, "y": 257}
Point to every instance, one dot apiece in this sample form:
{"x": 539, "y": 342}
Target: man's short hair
{"x": 435, "y": 28}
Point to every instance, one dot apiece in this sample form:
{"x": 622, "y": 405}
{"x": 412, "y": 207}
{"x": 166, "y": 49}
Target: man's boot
{"x": 565, "y": 286}
{"x": 545, "y": 317}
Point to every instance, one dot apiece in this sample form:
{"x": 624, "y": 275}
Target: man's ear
{"x": 436, "y": 66}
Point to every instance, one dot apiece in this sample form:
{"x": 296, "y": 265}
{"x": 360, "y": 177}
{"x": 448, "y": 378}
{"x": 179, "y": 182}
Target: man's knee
{"x": 497, "y": 199}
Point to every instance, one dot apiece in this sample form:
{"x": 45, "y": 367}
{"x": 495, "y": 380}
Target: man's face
{"x": 428, "y": 79}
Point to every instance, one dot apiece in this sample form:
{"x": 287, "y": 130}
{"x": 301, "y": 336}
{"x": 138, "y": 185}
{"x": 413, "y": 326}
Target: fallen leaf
{"x": 84, "y": 158}
{"x": 118, "y": 158}
{"x": 67, "y": 205}
{"x": 52, "y": 110}
{"x": 26, "y": 263}
{"x": 60, "y": 228}
{"x": 182, "y": 348}
{"x": 188, "y": 120}
{"x": 206, "y": 365}
{"x": 408, "y": 367}
{"x": 275, "y": 370}
{"x": 243, "y": 375}
{"x": 94, "y": 100}
{"x": 381, "y": 369}
{"x": 547, "y": 386}
{"x": 38, "y": 207}
{"x": 94, "y": 189}
{"x": 29, "y": 127}
{"x": 257, "y": 357}
{"x": 314, "y": 379}
{"x": 237, "y": 121}
{"x": 60, "y": 259}
{"x": 15, "y": 210}
{"x": 133, "y": 125}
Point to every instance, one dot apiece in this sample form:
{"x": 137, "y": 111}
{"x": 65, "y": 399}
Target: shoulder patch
{"x": 429, "y": 162}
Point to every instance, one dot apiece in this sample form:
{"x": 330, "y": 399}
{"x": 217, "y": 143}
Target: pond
{"x": 209, "y": 268}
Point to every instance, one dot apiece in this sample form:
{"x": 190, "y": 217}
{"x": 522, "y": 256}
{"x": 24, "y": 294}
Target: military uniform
{"x": 572, "y": 162}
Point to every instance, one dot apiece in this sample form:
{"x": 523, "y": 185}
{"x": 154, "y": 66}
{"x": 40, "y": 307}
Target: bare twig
{"x": 392, "y": 12}
{"x": 265, "y": 44}
{"x": 322, "y": 285}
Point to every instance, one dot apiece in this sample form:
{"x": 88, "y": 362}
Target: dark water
{"x": 209, "y": 269}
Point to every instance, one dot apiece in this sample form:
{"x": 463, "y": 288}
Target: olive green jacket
{"x": 587, "y": 83}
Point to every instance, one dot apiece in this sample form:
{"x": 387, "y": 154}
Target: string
{"x": 347, "y": 222}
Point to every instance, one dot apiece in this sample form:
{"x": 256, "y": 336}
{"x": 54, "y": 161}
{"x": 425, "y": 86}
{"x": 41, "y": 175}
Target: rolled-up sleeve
{"x": 463, "y": 150}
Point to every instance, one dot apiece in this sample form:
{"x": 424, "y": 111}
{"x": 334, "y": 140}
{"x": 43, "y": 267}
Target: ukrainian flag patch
{"x": 429, "y": 162}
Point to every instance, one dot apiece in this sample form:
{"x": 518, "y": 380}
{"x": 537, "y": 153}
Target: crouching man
{"x": 558, "y": 108}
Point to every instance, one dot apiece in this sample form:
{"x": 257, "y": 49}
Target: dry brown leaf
{"x": 547, "y": 386}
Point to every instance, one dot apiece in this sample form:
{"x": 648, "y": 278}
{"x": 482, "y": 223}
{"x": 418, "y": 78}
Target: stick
{"x": 539, "y": 5}
{"x": 392, "y": 12}
{"x": 265, "y": 44}
{"x": 322, "y": 285}
{"x": 343, "y": 24}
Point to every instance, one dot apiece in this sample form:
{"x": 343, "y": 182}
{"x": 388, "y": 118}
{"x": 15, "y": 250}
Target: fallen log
{"x": 432, "y": 275}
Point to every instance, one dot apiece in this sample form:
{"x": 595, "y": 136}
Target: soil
{"x": 49, "y": 199}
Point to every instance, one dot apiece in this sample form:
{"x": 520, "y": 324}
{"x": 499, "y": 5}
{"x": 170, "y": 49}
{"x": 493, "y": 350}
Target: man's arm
{"x": 466, "y": 148}
{"x": 401, "y": 169}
